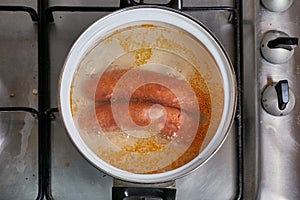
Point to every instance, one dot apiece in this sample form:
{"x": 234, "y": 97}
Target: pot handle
{"x": 143, "y": 193}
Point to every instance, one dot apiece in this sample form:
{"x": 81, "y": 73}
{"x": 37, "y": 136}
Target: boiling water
{"x": 135, "y": 150}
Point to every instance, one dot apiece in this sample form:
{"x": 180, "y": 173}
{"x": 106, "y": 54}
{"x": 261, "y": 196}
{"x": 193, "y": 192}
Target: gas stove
{"x": 259, "y": 159}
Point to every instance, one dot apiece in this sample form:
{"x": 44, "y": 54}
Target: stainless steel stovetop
{"x": 260, "y": 159}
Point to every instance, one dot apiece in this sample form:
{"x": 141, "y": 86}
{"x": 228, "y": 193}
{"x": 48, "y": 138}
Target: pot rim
{"x": 183, "y": 21}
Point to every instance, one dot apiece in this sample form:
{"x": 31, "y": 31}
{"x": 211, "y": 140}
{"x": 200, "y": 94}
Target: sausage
{"x": 169, "y": 91}
{"x": 141, "y": 113}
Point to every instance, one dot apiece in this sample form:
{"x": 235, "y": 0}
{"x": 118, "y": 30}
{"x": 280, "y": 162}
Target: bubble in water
{"x": 298, "y": 120}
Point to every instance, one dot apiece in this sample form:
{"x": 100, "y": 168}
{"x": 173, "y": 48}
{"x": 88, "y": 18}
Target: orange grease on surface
{"x": 148, "y": 26}
{"x": 142, "y": 56}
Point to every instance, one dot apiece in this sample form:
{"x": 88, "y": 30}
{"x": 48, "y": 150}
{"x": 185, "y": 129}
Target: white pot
{"x": 185, "y": 37}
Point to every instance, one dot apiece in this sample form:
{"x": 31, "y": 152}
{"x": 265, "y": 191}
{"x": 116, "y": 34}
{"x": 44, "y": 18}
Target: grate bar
{"x": 49, "y": 11}
{"x": 33, "y": 14}
{"x": 33, "y": 111}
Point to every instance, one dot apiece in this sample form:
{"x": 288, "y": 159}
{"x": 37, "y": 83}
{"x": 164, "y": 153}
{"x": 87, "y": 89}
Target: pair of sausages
{"x": 148, "y": 98}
